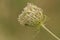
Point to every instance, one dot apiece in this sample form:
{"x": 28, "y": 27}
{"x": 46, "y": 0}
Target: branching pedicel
{"x": 33, "y": 16}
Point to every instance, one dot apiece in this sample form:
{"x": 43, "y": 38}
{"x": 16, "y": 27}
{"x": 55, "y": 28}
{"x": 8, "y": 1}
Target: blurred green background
{"x": 10, "y": 29}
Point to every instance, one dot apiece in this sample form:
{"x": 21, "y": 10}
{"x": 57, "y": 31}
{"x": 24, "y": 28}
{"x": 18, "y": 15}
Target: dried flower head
{"x": 31, "y": 15}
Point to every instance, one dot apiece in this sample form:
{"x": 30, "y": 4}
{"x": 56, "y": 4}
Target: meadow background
{"x": 10, "y": 29}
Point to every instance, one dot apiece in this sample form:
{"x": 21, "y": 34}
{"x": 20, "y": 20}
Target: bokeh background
{"x": 10, "y": 29}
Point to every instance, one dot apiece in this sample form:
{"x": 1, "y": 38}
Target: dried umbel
{"x": 31, "y": 16}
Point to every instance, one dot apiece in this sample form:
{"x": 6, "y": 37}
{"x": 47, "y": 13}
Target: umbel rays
{"x": 33, "y": 16}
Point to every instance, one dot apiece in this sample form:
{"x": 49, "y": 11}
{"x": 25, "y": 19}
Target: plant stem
{"x": 50, "y": 32}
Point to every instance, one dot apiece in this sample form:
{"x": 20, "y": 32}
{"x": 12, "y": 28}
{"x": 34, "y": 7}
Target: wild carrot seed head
{"x": 31, "y": 16}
